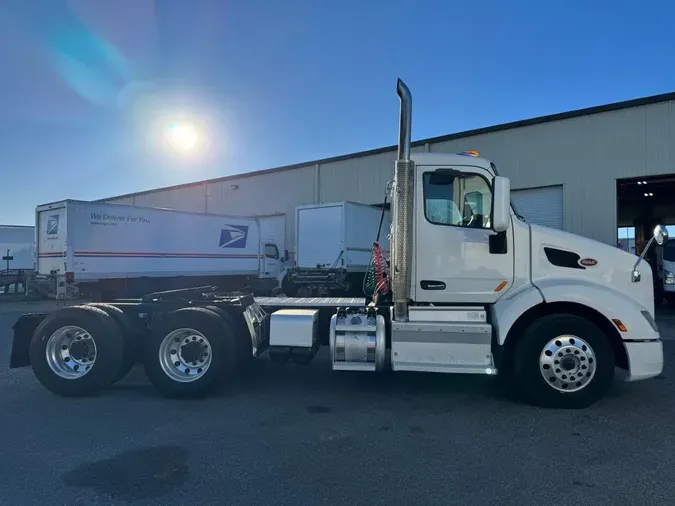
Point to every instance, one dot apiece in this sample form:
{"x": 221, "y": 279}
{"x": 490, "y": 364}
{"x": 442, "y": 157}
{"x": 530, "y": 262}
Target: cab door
{"x": 458, "y": 257}
{"x": 271, "y": 264}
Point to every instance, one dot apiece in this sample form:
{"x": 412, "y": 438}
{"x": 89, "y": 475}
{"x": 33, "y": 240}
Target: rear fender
{"x": 24, "y": 328}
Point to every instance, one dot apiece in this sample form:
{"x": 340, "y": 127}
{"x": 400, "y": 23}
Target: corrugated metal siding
{"x": 124, "y": 201}
{"x": 585, "y": 154}
{"x": 278, "y": 192}
{"x": 541, "y": 206}
{"x": 190, "y": 199}
{"x": 361, "y": 179}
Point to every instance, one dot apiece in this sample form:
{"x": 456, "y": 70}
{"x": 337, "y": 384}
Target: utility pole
{"x": 7, "y": 258}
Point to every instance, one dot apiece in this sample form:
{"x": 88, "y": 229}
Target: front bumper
{"x": 645, "y": 359}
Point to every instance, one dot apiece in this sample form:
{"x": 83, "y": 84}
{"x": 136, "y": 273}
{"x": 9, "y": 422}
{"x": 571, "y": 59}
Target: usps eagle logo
{"x": 233, "y": 236}
{"x": 53, "y": 224}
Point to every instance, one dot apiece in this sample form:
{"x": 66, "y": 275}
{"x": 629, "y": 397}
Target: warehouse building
{"x": 599, "y": 172}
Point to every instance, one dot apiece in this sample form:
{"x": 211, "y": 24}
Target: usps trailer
{"x": 116, "y": 251}
{"x": 333, "y": 249}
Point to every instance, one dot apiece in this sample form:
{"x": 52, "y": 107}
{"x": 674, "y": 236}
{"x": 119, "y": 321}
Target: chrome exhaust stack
{"x": 403, "y": 192}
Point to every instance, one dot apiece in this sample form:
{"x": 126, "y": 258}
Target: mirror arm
{"x": 636, "y": 273}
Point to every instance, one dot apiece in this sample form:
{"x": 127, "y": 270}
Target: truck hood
{"x": 558, "y": 254}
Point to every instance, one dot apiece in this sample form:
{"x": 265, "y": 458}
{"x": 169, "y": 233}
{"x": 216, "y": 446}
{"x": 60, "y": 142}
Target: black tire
{"x": 241, "y": 335}
{"x": 529, "y": 378}
{"x": 223, "y": 352}
{"x": 109, "y": 351}
{"x": 128, "y": 335}
{"x": 288, "y": 287}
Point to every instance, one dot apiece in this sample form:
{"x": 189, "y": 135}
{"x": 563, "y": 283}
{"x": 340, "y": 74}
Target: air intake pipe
{"x": 404, "y": 188}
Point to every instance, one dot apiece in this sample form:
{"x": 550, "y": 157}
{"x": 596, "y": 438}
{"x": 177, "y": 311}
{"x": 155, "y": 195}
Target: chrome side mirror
{"x": 660, "y": 235}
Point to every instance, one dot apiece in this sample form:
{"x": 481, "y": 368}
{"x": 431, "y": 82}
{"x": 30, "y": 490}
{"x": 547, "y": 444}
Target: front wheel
{"x": 563, "y": 361}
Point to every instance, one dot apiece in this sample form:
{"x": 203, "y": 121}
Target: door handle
{"x": 430, "y": 284}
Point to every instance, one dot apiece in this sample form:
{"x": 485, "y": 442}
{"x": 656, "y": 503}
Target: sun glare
{"x": 184, "y": 137}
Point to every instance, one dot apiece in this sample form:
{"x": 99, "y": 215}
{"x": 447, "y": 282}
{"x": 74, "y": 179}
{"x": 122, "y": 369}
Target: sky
{"x": 87, "y": 86}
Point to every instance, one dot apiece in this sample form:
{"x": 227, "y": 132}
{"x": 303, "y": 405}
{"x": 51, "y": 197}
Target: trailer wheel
{"x": 190, "y": 351}
{"x": 242, "y": 335}
{"x": 76, "y": 351}
{"x": 128, "y": 335}
{"x": 563, "y": 361}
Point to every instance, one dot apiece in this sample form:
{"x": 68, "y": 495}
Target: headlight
{"x": 668, "y": 277}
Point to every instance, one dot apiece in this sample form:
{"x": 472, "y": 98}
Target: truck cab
{"x": 270, "y": 262}
{"x": 476, "y": 289}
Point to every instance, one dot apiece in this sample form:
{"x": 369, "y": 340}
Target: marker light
{"x": 470, "y": 152}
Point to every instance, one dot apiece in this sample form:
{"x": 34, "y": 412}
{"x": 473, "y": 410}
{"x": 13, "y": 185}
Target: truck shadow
{"x": 265, "y": 380}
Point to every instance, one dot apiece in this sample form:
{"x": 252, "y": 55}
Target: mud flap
{"x": 24, "y": 328}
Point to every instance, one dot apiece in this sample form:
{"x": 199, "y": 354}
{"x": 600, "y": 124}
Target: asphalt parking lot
{"x": 306, "y": 435}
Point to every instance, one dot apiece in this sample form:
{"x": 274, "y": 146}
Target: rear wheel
{"x": 126, "y": 330}
{"x": 563, "y": 361}
{"x": 190, "y": 352}
{"x": 242, "y": 335}
{"x": 76, "y": 351}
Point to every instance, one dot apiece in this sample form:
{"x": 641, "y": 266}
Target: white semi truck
{"x": 333, "y": 248}
{"x": 112, "y": 251}
{"x": 470, "y": 289}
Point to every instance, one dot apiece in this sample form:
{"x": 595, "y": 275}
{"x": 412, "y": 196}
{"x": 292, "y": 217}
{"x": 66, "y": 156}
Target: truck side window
{"x": 457, "y": 201}
{"x": 271, "y": 251}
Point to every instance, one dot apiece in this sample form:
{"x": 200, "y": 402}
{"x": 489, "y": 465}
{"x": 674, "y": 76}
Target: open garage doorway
{"x": 642, "y": 203}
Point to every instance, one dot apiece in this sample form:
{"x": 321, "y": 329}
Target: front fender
{"x": 506, "y": 311}
{"x": 607, "y": 301}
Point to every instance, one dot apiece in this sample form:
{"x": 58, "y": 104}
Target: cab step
{"x": 443, "y": 339}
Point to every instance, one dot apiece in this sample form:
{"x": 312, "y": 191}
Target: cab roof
{"x": 444, "y": 159}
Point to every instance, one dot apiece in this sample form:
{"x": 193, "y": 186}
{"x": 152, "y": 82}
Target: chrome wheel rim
{"x": 70, "y": 352}
{"x": 185, "y": 355}
{"x": 567, "y": 363}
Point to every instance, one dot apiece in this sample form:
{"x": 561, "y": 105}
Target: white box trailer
{"x": 17, "y": 242}
{"x": 120, "y": 250}
{"x": 334, "y": 245}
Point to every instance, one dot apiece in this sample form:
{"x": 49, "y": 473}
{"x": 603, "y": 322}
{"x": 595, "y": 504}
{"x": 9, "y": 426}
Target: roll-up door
{"x": 541, "y": 206}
